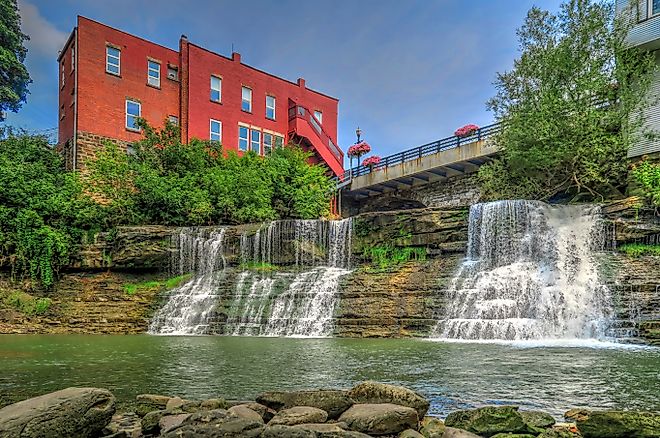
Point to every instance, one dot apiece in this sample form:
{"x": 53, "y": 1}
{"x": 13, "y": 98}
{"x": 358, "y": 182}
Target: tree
{"x": 570, "y": 106}
{"x": 14, "y": 77}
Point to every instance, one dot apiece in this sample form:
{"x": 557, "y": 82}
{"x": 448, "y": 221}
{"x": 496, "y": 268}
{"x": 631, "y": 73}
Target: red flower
{"x": 359, "y": 149}
{"x": 466, "y": 130}
{"x": 371, "y": 161}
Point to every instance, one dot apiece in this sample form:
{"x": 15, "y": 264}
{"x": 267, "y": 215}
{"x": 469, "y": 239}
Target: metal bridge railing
{"x": 417, "y": 153}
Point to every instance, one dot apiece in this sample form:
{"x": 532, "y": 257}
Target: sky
{"x": 407, "y": 72}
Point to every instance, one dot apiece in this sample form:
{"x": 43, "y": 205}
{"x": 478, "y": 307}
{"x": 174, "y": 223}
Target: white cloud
{"x": 45, "y": 39}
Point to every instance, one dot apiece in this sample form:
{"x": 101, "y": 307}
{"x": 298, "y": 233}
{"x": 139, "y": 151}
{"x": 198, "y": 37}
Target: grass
{"x": 640, "y": 249}
{"x": 385, "y": 257}
{"x": 259, "y": 266}
{"x": 25, "y": 303}
{"x": 170, "y": 283}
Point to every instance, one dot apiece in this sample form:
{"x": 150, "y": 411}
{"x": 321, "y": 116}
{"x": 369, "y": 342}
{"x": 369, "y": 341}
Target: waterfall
{"x": 189, "y": 307}
{"x": 530, "y": 273}
{"x": 300, "y": 304}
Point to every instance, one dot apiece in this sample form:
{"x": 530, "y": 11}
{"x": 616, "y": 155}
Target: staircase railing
{"x": 299, "y": 111}
{"x": 417, "y": 152}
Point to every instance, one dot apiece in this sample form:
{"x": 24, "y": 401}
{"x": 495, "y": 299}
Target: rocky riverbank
{"x": 369, "y": 409}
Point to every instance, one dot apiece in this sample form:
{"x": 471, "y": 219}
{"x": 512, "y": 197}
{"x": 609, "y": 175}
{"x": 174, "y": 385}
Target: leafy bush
{"x": 26, "y": 303}
{"x": 384, "y": 257}
{"x": 43, "y": 209}
{"x": 167, "y": 182}
{"x": 647, "y": 174}
{"x": 170, "y": 283}
{"x": 640, "y": 249}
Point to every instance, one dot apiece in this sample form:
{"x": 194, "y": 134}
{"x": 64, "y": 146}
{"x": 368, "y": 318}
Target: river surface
{"x": 451, "y": 375}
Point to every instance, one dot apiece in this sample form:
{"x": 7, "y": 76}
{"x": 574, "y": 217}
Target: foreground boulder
{"x": 537, "y": 421}
{"x": 380, "y": 419}
{"x": 615, "y": 424}
{"x": 299, "y": 415}
{"x": 71, "y": 412}
{"x": 334, "y": 402}
{"x": 374, "y": 393}
{"x": 216, "y": 423}
{"x": 489, "y": 420}
{"x": 150, "y": 402}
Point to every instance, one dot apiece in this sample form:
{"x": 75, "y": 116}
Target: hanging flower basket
{"x": 371, "y": 161}
{"x": 466, "y": 130}
{"x": 359, "y": 149}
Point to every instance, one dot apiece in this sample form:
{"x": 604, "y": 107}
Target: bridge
{"x": 437, "y": 161}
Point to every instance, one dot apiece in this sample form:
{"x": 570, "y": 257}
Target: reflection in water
{"x": 451, "y": 375}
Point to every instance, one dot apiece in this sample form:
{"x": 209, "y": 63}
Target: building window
{"x": 268, "y": 143}
{"x": 215, "y": 131}
{"x": 112, "y": 60}
{"x": 133, "y": 112}
{"x": 62, "y": 113}
{"x": 246, "y": 99}
{"x": 172, "y": 73}
{"x": 62, "y": 74}
{"x": 243, "y": 138}
{"x": 255, "y": 141}
{"x": 216, "y": 89}
{"x": 654, "y": 7}
{"x": 153, "y": 73}
{"x": 270, "y": 107}
{"x": 73, "y": 58}
{"x": 174, "y": 120}
{"x": 319, "y": 116}
{"x": 279, "y": 141}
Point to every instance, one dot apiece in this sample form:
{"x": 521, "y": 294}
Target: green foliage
{"x": 167, "y": 182}
{"x": 647, "y": 174}
{"x": 170, "y": 283}
{"x": 570, "y": 106}
{"x": 43, "y": 210}
{"x": 25, "y": 303}
{"x": 259, "y": 266}
{"x": 640, "y": 249}
{"x": 384, "y": 257}
{"x": 14, "y": 77}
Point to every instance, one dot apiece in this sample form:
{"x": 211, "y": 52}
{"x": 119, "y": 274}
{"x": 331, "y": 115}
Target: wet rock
{"x": 410, "y": 433}
{"x": 151, "y": 422}
{"x": 214, "y": 403}
{"x": 281, "y": 431}
{"x": 266, "y": 413}
{"x": 331, "y": 430}
{"x": 71, "y": 412}
{"x": 432, "y": 427}
{"x": 174, "y": 402}
{"x": 374, "y": 393}
{"x": 334, "y": 402}
{"x": 537, "y": 421}
{"x": 150, "y": 402}
{"x": 380, "y": 419}
{"x": 488, "y": 421}
{"x": 169, "y": 422}
{"x": 245, "y": 412}
{"x": 452, "y": 432}
{"x": 215, "y": 423}
{"x": 124, "y": 425}
{"x": 615, "y": 424}
{"x": 299, "y": 415}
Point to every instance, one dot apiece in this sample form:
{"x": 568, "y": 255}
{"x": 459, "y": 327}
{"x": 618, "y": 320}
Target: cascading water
{"x": 281, "y": 304}
{"x": 530, "y": 273}
{"x": 189, "y": 307}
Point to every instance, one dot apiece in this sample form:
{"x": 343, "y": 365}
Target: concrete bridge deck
{"x": 440, "y": 160}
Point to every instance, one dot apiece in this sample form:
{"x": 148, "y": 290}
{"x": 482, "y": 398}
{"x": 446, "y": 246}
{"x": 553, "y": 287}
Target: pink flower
{"x": 371, "y": 161}
{"x": 466, "y": 130}
{"x": 359, "y": 149}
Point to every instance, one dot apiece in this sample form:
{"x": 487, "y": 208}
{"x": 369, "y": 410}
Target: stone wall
{"x": 89, "y": 144}
{"x": 456, "y": 192}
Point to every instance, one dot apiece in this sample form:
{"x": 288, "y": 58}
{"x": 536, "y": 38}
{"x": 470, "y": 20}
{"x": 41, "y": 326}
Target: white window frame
{"x": 319, "y": 116}
{"x": 275, "y": 142}
{"x": 258, "y": 142}
{"x": 246, "y": 138}
{"x": 211, "y": 132}
{"x": 268, "y": 146}
{"x": 219, "y": 89}
{"x": 108, "y": 56}
{"x": 73, "y": 58}
{"x": 249, "y": 101}
{"x": 154, "y": 81}
{"x": 649, "y": 9}
{"x": 274, "y": 100}
{"x": 131, "y": 128}
{"x": 63, "y": 75}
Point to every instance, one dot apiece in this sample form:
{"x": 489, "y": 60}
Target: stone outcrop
{"x": 380, "y": 419}
{"x": 615, "y": 424}
{"x": 71, "y": 412}
{"x": 374, "y": 392}
{"x": 333, "y": 402}
{"x": 299, "y": 415}
{"x": 489, "y": 420}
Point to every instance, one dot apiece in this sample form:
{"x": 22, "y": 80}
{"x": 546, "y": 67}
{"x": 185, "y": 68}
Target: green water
{"x": 452, "y": 376}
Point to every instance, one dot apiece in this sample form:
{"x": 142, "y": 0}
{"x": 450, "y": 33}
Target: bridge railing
{"x": 417, "y": 153}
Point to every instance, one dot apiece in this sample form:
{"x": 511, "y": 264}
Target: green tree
{"x": 570, "y": 106}
{"x": 14, "y": 77}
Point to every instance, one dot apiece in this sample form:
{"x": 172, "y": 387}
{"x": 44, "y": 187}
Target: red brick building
{"x": 108, "y": 78}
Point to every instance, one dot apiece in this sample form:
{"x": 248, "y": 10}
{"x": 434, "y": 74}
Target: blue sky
{"x": 406, "y": 71}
